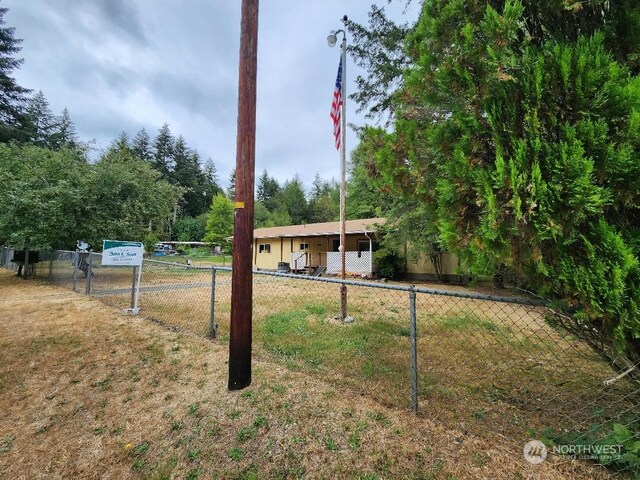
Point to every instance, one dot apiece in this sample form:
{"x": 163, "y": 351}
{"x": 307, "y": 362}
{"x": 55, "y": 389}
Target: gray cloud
{"x": 123, "y": 15}
{"x": 123, "y": 65}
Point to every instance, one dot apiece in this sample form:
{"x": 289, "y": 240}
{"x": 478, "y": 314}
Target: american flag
{"x": 336, "y": 106}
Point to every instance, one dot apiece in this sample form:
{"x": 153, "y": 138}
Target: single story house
{"x": 314, "y": 245}
{"x": 314, "y": 248}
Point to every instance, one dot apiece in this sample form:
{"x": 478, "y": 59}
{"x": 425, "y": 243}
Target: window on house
{"x": 264, "y": 248}
{"x": 363, "y": 246}
{"x": 304, "y": 247}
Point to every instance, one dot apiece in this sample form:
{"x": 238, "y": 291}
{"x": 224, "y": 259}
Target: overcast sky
{"x": 120, "y": 65}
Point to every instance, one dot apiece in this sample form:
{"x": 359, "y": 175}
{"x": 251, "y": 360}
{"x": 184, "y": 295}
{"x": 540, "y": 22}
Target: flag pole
{"x": 343, "y": 169}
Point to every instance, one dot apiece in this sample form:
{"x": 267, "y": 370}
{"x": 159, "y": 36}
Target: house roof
{"x": 319, "y": 229}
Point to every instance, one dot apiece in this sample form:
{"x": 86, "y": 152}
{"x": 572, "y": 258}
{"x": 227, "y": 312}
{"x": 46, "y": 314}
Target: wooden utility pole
{"x": 242, "y": 277}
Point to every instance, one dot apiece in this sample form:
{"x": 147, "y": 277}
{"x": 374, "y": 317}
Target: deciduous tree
{"x": 220, "y": 222}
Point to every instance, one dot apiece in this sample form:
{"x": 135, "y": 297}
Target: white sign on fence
{"x": 123, "y": 254}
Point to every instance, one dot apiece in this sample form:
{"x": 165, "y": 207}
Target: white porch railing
{"x": 298, "y": 261}
{"x": 360, "y": 263}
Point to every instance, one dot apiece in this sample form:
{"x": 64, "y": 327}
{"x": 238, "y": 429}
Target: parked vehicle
{"x": 163, "y": 249}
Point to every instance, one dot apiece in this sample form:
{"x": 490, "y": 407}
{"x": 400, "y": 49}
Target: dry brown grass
{"x": 87, "y": 392}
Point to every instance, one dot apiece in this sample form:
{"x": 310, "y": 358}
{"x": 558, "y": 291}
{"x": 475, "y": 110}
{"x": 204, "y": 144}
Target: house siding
{"x": 423, "y": 269}
{"x": 281, "y": 249}
{"x": 268, "y": 261}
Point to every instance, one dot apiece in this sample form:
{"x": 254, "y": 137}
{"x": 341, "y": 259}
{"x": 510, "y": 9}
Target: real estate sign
{"x": 123, "y": 254}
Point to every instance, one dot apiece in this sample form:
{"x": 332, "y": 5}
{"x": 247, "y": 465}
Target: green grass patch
{"x": 374, "y": 349}
{"x": 467, "y": 321}
{"x": 164, "y": 470}
{"x": 296, "y": 334}
{"x": 316, "y": 309}
{"x": 235, "y": 454}
{"x": 246, "y": 433}
{"x": 42, "y": 343}
{"x": 154, "y": 353}
{"x": 6, "y": 442}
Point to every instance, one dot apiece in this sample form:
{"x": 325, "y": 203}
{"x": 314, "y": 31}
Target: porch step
{"x": 319, "y": 271}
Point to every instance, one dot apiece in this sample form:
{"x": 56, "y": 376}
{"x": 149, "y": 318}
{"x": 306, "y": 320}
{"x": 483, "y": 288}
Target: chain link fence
{"x": 500, "y": 368}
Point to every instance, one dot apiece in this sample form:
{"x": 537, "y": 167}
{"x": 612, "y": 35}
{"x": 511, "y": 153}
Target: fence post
{"x": 74, "y": 284}
{"x": 414, "y": 350}
{"x": 213, "y": 328}
{"x": 134, "y": 277}
{"x": 89, "y": 273}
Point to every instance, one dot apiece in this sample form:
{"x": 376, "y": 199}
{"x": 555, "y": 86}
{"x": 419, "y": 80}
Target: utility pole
{"x": 242, "y": 276}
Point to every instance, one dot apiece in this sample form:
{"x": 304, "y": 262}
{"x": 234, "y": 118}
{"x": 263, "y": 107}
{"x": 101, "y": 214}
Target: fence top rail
{"x": 411, "y": 288}
{"x": 186, "y": 266}
{"x": 385, "y": 286}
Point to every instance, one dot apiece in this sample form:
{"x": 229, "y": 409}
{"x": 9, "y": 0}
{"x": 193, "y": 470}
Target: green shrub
{"x": 389, "y": 262}
{"x": 150, "y": 242}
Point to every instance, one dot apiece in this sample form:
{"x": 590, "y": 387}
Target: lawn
{"x": 87, "y": 392}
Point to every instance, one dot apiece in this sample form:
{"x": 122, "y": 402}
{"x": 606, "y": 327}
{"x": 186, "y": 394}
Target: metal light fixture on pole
{"x": 331, "y": 41}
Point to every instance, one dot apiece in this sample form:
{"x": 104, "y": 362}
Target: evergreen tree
{"x": 121, "y": 142}
{"x": 292, "y": 200}
{"x": 13, "y": 97}
{"x": 211, "y": 172}
{"x": 182, "y": 172}
{"x": 379, "y": 50}
{"x": 141, "y": 146}
{"x": 190, "y": 229}
{"x": 211, "y": 182}
{"x": 66, "y": 136}
{"x": 365, "y": 197}
{"x": 41, "y": 124}
{"x": 516, "y": 143}
{"x": 318, "y": 186}
{"x": 119, "y": 148}
{"x": 231, "y": 188}
{"x": 187, "y": 174}
{"x": 324, "y": 204}
{"x": 267, "y": 191}
{"x": 163, "y": 151}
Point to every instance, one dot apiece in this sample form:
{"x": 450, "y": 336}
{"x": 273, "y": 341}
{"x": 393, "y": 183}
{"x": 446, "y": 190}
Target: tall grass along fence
{"x": 498, "y": 367}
